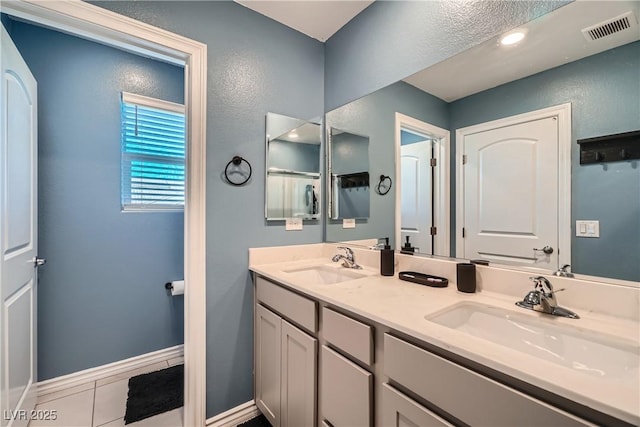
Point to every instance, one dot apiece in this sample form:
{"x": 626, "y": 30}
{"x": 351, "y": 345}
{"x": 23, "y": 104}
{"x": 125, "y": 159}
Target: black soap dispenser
{"x": 407, "y": 249}
{"x": 387, "y": 260}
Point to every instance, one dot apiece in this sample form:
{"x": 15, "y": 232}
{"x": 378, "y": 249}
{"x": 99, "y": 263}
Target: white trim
{"x": 442, "y": 183}
{"x": 94, "y": 23}
{"x": 563, "y": 113}
{"x": 99, "y": 372}
{"x": 147, "y": 101}
{"x": 235, "y": 416}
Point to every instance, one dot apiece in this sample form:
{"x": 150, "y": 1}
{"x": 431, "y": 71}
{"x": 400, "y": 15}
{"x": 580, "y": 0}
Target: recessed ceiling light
{"x": 293, "y": 134}
{"x": 513, "y": 37}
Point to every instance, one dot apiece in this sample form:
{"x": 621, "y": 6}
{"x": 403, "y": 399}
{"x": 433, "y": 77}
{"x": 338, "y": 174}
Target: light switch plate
{"x": 293, "y": 224}
{"x": 349, "y": 223}
{"x": 587, "y": 228}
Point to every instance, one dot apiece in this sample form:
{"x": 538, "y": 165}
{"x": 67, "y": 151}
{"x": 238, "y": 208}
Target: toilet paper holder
{"x": 175, "y": 288}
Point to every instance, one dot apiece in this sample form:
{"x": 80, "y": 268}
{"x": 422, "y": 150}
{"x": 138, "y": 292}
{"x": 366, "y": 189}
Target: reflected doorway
{"x": 422, "y": 176}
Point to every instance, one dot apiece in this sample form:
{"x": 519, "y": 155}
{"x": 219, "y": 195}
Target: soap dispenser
{"x": 407, "y": 249}
{"x": 387, "y": 260}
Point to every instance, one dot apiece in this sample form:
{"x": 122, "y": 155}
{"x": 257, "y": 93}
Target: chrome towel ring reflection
{"x": 236, "y": 162}
{"x": 383, "y": 188}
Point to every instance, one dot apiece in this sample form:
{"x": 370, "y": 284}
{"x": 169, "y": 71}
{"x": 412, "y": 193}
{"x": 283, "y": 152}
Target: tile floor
{"x": 102, "y": 403}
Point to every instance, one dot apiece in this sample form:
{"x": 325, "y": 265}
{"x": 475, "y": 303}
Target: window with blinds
{"x": 153, "y": 148}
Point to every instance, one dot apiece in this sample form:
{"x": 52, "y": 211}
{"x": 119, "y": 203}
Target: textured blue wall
{"x": 295, "y": 156}
{"x": 374, "y": 116}
{"x": 407, "y": 138}
{"x": 350, "y": 154}
{"x": 101, "y": 296}
{"x": 255, "y": 65}
{"x": 603, "y": 91}
{"x": 391, "y": 40}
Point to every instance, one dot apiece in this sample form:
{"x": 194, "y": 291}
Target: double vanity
{"x": 338, "y": 346}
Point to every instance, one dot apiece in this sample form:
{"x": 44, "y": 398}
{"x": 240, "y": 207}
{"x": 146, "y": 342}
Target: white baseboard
{"x": 235, "y": 416}
{"x": 104, "y": 371}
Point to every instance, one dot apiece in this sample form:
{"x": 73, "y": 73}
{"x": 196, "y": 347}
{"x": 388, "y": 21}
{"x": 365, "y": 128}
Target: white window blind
{"x": 153, "y": 148}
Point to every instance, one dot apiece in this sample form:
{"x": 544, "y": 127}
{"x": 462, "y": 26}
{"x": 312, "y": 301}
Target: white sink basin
{"x": 585, "y": 351}
{"x": 324, "y": 275}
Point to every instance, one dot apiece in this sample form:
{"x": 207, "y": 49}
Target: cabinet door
{"x": 399, "y": 410}
{"x": 298, "y": 393}
{"x": 346, "y": 391}
{"x": 268, "y": 345}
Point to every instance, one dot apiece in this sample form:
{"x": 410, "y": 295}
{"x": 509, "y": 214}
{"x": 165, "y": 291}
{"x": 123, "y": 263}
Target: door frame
{"x": 441, "y": 182}
{"x": 91, "y": 22}
{"x": 563, "y": 113}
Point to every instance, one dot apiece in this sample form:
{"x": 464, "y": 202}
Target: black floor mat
{"x": 154, "y": 393}
{"x": 259, "y": 421}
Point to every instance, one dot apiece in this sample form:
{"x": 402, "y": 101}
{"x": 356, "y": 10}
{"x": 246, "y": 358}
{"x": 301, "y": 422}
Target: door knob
{"x": 547, "y": 250}
{"x": 37, "y": 261}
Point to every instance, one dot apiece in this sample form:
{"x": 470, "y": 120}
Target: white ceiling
{"x": 552, "y": 40}
{"x": 319, "y": 19}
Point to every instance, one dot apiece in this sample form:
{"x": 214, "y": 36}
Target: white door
{"x": 18, "y": 235}
{"x": 511, "y": 194}
{"x": 416, "y": 195}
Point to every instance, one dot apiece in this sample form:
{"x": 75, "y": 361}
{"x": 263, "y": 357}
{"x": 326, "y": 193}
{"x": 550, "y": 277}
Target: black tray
{"x": 423, "y": 279}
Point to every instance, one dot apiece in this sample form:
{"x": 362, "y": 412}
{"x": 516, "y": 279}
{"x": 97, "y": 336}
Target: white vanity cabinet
{"x": 399, "y": 410}
{"x": 285, "y": 359}
{"x": 464, "y": 394}
{"x": 346, "y": 389}
{"x": 318, "y": 364}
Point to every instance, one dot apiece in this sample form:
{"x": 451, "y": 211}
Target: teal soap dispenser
{"x": 387, "y": 260}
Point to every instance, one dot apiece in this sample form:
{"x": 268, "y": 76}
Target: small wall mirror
{"x": 349, "y": 193}
{"x": 293, "y": 181}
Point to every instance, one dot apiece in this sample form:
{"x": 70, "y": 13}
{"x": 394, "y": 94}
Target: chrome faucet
{"x": 543, "y": 299}
{"x": 348, "y": 259}
{"x": 563, "y": 271}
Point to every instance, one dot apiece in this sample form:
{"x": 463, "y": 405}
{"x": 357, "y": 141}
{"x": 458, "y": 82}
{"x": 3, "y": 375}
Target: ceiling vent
{"x": 609, "y": 27}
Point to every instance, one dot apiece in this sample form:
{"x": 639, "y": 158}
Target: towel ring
{"x": 383, "y": 189}
{"x": 236, "y": 161}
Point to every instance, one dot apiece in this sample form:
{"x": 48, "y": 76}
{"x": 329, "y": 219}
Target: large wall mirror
{"x": 574, "y": 84}
{"x": 293, "y": 184}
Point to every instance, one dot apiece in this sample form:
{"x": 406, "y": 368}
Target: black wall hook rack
{"x": 610, "y": 148}
{"x": 237, "y": 161}
{"x": 381, "y": 188}
{"x": 354, "y": 180}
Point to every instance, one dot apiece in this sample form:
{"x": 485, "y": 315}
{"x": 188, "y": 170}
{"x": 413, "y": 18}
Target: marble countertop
{"x": 403, "y": 306}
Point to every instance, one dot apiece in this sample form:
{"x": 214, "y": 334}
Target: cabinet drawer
{"x": 297, "y": 308}
{"x": 347, "y": 334}
{"x": 399, "y": 410}
{"x": 346, "y": 391}
{"x": 470, "y": 397}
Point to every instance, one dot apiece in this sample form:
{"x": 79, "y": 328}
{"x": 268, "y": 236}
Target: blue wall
{"x": 407, "y": 138}
{"x": 391, "y": 40}
{"x": 101, "y": 295}
{"x": 603, "y": 91}
{"x": 246, "y": 79}
{"x": 374, "y": 116}
{"x": 295, "y": 156}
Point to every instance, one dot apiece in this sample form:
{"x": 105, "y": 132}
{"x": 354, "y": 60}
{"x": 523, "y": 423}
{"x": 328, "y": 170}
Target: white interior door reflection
{"x": 416, "y": 193}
